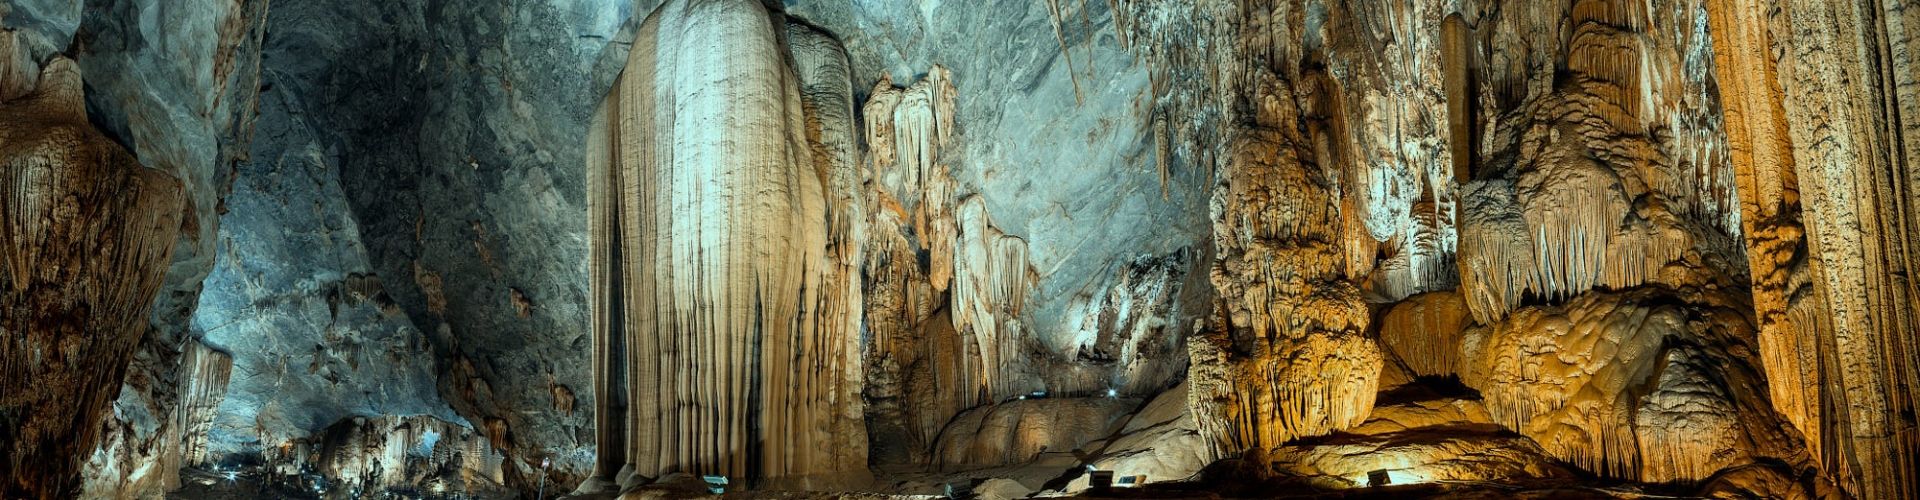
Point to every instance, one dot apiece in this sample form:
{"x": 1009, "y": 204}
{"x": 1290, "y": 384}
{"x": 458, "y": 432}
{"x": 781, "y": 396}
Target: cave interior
{"x": 993, "y": 249}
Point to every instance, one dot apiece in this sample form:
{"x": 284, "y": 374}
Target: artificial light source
{"x": 1378, "y": 478}
{"x": 1111, "y": 393}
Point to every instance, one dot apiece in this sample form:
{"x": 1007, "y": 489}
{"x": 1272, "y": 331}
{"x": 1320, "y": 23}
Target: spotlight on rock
{"x": 1378, "y": 478}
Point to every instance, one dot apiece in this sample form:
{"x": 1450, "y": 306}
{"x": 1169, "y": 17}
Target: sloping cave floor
{"x": 1053, "y": 471}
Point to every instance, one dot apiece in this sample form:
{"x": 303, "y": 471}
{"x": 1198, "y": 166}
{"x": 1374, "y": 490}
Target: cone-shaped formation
{"x": 86, "y": 232}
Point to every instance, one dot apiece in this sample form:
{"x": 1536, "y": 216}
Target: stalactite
{"x": 205, "y": 373}
{"x": 372, "y": 454}
{"x": 737, "y": 318}
{"x": 992, "y": 276}
{"x": 1598, "y": 186}
{"x": 1457, "y": 60}
{"x": 86, "y": 232}
{"x": 945, "y": 327}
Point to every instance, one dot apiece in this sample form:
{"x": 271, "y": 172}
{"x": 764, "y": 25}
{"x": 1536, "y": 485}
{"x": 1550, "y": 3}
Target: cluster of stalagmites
{"x": 116, "y": 467}
{"x": 366, "y": 456}
{"x": 1599, "y": 301}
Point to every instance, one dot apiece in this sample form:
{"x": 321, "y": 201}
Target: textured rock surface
{"x": 1644, "y": 203}
{"x": 454, "y": 132}
{"x": 741, "y": 357}
{"x": 85, "y": 232}
{"x": 417, "y": 453}
{"x": 1423, "y": 333}
{"x": 1015, "y": 432}
{"x": 1825, "y": 96}
{"x": 1645, "y": 384}
{"x": 1415, "y": 442}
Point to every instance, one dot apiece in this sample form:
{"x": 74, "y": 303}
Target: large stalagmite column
{"x": 724, "y": 293}
{"x": 1826, "y": 94}
{"x": 1289, "y": 356}
{"x": 85, "y": 233}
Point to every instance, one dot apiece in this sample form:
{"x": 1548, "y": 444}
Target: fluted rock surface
{"x": 86, "y": 232}
{"x": 1423, "y": 332}
{"x": 1822, "y": 98}
{"x": 739, "y": 358}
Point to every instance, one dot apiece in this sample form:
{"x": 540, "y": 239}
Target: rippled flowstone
{"x": 1642, "y": 384}
{"x": 86, "y": 232}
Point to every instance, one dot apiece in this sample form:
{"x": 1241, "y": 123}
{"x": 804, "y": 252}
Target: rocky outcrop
{"x": 1414, "y": 442}
{"x": 1647, "y": 384}
{"x": 1017, "y": 431}
{"x": 85, "y": 231}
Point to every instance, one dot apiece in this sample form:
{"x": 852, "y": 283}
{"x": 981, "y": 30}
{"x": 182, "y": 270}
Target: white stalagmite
{"x": 725, "y": 229}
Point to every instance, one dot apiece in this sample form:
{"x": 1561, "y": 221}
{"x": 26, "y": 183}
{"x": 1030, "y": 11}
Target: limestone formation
{"x": 946, "y": 289}
{"x": 1423, "y": 333}
{"x": 121, "y": 467}
{"x": 831, "y": 249}
{"x": 1419, "y": 442}
{"x": 1646, "y": 384}
{"x": 86, "y": 232}
{"x": 1290, "y": 357}
{"x": 1821, "y": 98}
{"x": 733, "y": 319}
{"x": 1017, "y": 431}
{"x": 390, "y": 452}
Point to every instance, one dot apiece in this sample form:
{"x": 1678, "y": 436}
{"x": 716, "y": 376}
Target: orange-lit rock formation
{"x": 86, "y": 232}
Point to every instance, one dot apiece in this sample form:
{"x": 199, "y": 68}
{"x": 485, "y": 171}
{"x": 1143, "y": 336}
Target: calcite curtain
{"x": 725, "y": 294}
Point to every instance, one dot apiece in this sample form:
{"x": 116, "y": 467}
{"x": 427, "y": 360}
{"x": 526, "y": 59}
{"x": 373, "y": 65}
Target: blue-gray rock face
{"x": 453, "y": 133}
{"x": 317, "y": 337}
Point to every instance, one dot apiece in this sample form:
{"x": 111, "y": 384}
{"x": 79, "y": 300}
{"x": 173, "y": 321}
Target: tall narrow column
{"x": 725, "y": 301}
